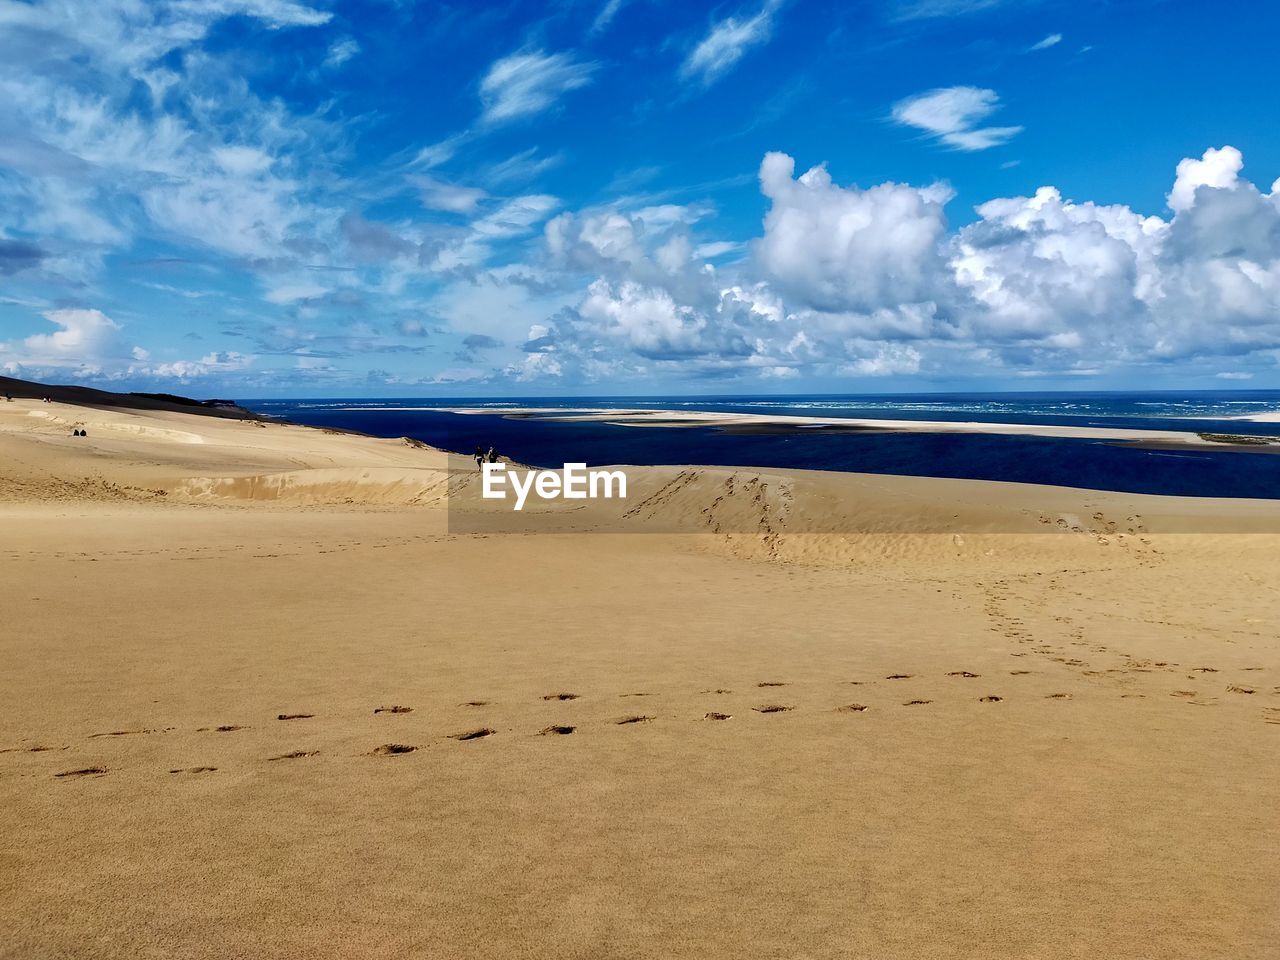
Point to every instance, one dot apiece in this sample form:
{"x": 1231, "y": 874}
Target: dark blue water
{"x": 1089, "y": 464}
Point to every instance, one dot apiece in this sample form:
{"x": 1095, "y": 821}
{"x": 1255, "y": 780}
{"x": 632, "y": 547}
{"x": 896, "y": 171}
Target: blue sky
{"x": 288, "y": 198}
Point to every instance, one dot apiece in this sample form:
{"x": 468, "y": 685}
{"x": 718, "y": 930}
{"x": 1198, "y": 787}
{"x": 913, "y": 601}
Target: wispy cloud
{"x": 1052, "y": 40}
{"x": 450, "y": 197}
{"x": 530, "y": 82}
{"x": 726, "y": 43}
{"x": 606, "y": 15}
{"x": 929, "y": 9}
{"x": 341, "y": 52}
{"x": 519, "y": 168}
{"x": 952, "y": 115}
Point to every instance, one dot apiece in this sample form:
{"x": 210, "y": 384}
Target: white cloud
{"x": 1217, "y": 168}
{"x": 85, "y": 337}
{"x": 647, "y": 321}
{"x": 529, "y": 82}
{"x": 199, "y": 164}
{"x": 293, "y": 292}
{"x": 437, "y": 154}
{"x": 1052, "y": 40}
{"x": 135, "y": 34}
{"x": 927, "y": 9}
{"x": 844, "y": 249}
{"x": 1040, "y": 266}
{"x": 726, "y": 43}
{"x": 340, "y": 52}
{"x": 887, "y": 360}
{"x": 91, "y": 346}
{"x": 606, "y": 15}
{"x": 869, "y": 282}
{"x": 450, "y": 197}
{"x": 716, "y": 248}
{"x": 952, "y": 114}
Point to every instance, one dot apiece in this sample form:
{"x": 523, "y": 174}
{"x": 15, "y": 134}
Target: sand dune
{"x": 262, "y": 696}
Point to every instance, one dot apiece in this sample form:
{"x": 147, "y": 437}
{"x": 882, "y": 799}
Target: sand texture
{"x": 257, "y": 700}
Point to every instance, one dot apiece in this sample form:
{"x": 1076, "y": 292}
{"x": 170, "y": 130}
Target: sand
{"x": 642, "y": 417}
{"x": 1067, "y": 743}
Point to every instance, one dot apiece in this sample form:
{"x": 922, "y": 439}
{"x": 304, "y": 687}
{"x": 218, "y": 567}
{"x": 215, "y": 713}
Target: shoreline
{"x": 675, "y": 419}
{"x": 190, "y": 458}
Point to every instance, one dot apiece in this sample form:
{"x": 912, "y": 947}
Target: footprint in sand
{"x": 771, "y": 683}
{"x": 1191, "y": 697}
{"x": 473, "y": 734}
{"x": 394, "y": 709}
{"x": 991, "y": 698}
{"x": 638, "y": 718}
{"x": 1018, "y": 673}
{"x": 898, "y": 676}
{"x": 121, "y": 733}
{"x": 916, "y": 703}
{"x": 718, "y": 691}
{"x": 225, "y": 728}
{"x": 194, "y": 770}
{"x": 36, "y": 749}
{"x": 294, "y": 716}
{"x": 392, "y": 750}
{"x": 1236, "y": 688}
{"x": 852, "y": 708}
{"x": 772, "y": 708}
{"x": 560, "y": 696}
{"x": 557, "y": 730}
{"x": 84, "y": 772}
{"x": 962, "y": 673}
{"x": 296, "y": 755}
{"x": 1058, "y": 696}
{"x": 475, "y": 703}
{"x": 718, "y": 716}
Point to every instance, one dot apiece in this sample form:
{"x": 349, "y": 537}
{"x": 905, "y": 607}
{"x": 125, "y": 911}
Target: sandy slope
{"x": 1118, "y": 798}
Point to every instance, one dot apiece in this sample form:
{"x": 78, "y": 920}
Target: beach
{"x": 276, "y": 691}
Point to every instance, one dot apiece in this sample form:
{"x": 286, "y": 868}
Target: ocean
{"x": 1090, "y": 464}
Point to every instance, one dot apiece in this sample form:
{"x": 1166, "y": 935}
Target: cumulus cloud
{"x": 1217, "y": 169}
{"x": 952, "y": 115}
{"x": 1041, "y": 267}
{"x": 844, "y": 249}
{"x": 885, "y": 360}
{"x": 1127, "y": 288}
{"x": 89, "y": 345}
{"x": 529, "y": 82}
{"x": 84, "y": 337}
{"x": 857, "y": 283}
{"x": 727, "y": 42}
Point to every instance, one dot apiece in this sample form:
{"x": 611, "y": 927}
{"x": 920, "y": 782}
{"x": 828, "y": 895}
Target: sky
{"x": 318, "y": 198}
